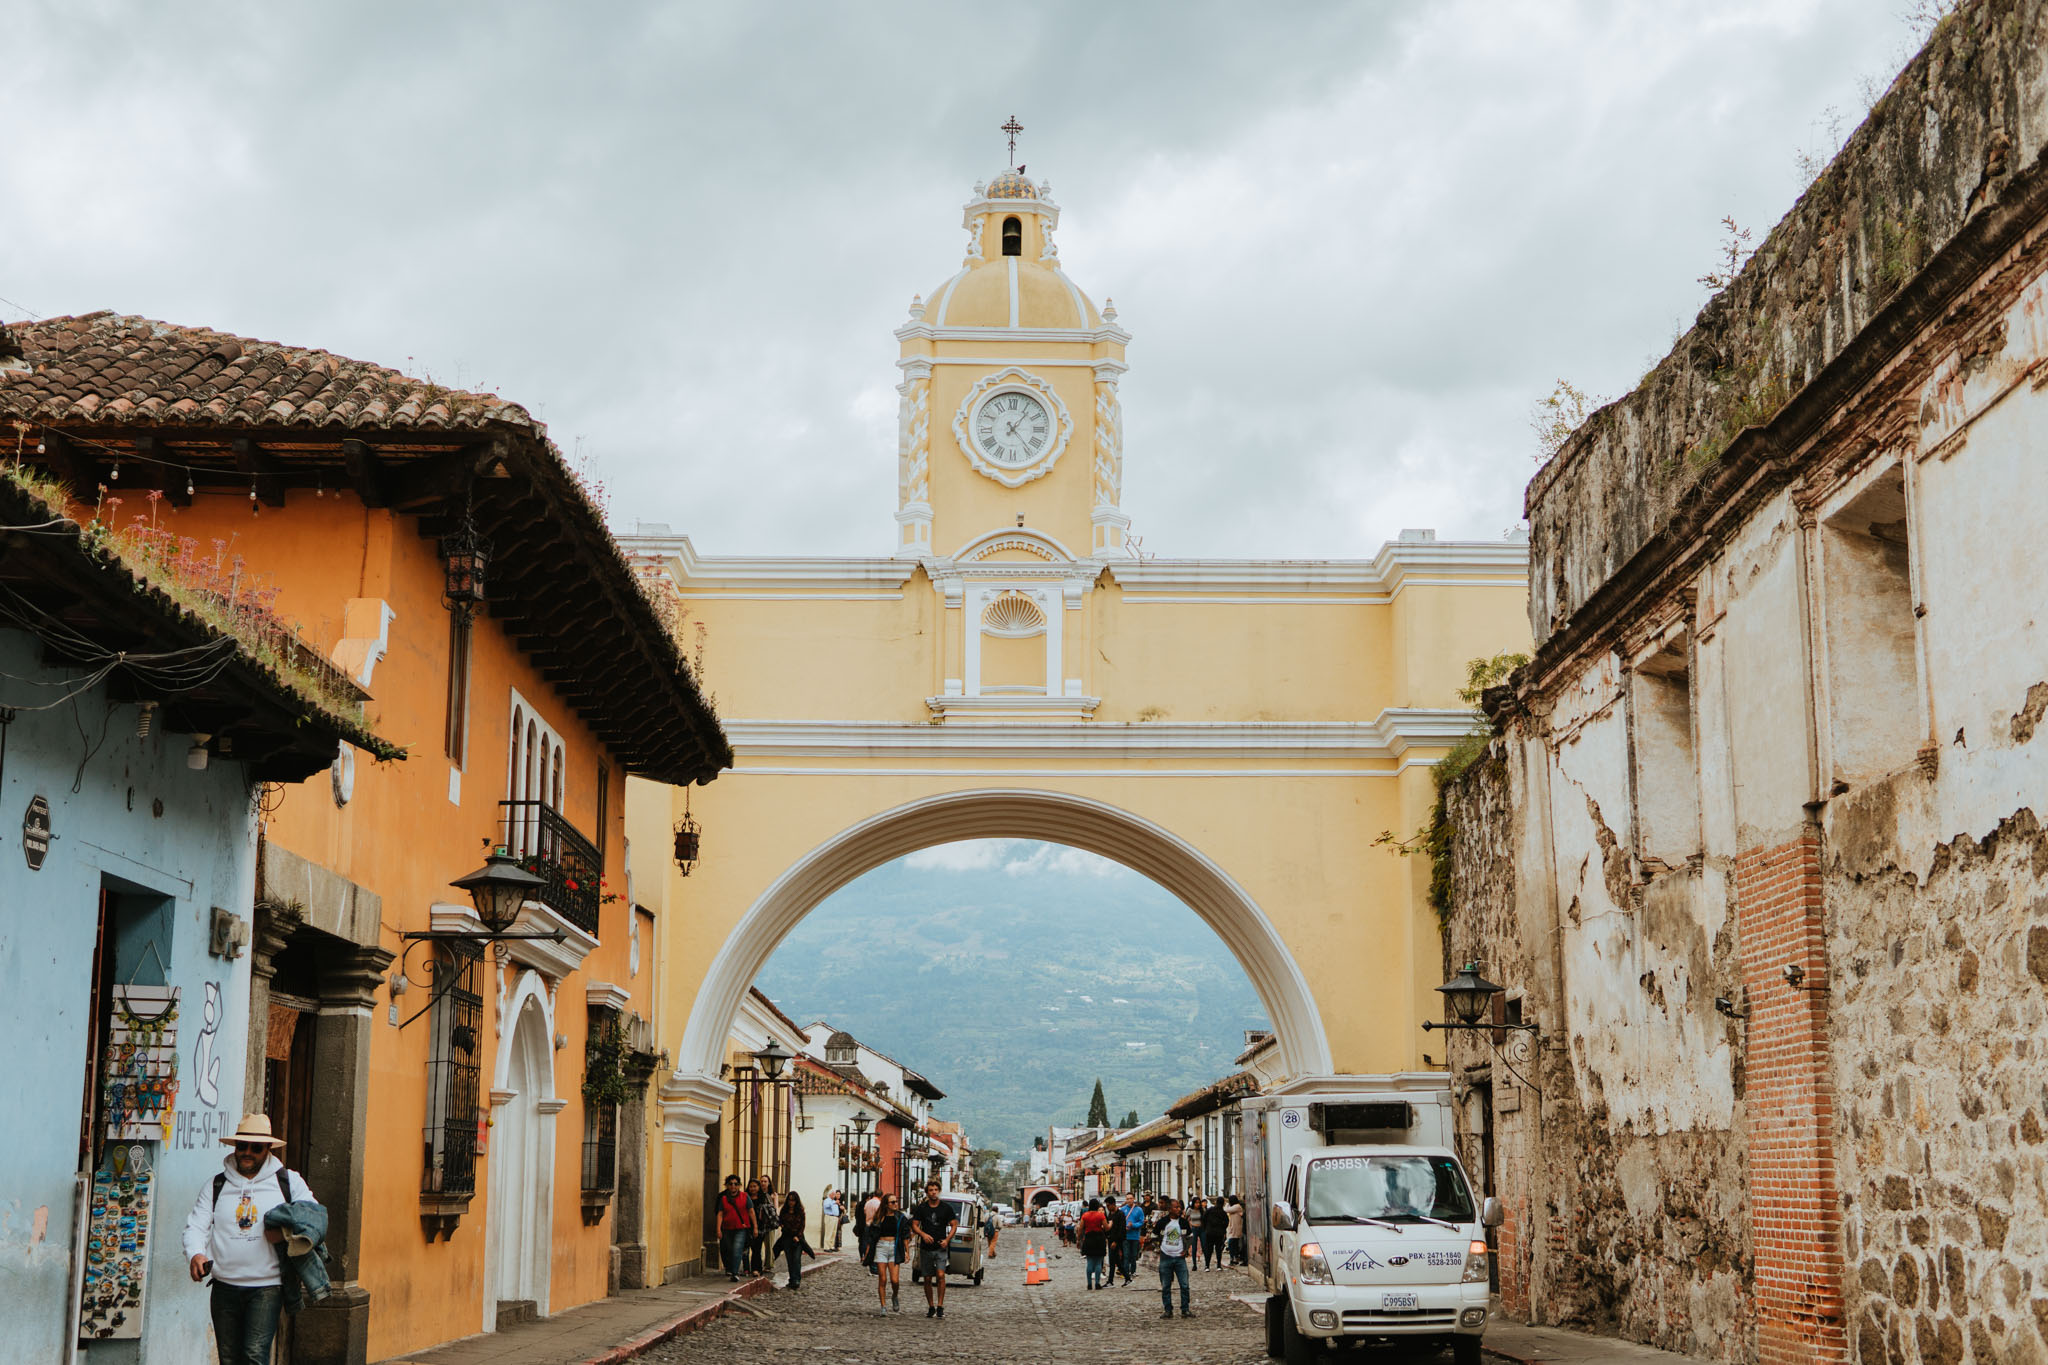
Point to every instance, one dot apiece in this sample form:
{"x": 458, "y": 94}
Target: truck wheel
{"x": 1275, "y": 1307}
{"x": 1295, "y": 1348}
{"x": 1465, "y": 1351}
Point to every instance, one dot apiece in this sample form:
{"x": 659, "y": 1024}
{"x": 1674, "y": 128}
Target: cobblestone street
{"x": 833, "y": 1318}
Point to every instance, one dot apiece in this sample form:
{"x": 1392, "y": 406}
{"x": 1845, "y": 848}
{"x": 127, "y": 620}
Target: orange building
{"x": 455, "y": 1102}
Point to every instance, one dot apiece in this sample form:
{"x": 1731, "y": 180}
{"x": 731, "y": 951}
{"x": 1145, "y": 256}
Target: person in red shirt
{"x": 1094, "y": 1241}
{"x": 735, "y": 1226}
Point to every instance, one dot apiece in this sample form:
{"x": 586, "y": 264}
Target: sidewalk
{"x": 1554, "y": 1346}
{"x": 608, "y": 1331}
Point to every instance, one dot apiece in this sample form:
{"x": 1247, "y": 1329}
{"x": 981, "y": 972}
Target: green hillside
{"x": 1013, "y": 975}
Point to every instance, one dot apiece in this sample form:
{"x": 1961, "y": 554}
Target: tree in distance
{"x": 1098, "y": 1108}
{"x": 1131, "y": 1119}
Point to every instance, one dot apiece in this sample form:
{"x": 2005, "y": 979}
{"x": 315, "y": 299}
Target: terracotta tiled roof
{"x": 107, "y": 369}
{"x": 1213, "y": 1096}
{"x": 1150, "y": 1134}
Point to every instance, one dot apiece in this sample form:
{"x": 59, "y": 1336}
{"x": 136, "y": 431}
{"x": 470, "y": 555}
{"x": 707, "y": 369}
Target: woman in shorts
{"x": 886, "y": 1234}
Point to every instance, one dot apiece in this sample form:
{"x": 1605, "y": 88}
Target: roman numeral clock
{"x": 1012, "y": 427}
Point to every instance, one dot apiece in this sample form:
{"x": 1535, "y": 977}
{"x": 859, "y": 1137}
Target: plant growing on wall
{"x": 604, "y": 1063}
{"x": 1433, "y": 840}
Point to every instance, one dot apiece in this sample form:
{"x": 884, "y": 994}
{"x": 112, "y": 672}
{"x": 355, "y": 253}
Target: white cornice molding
{"x": 690, "y": 1104}
{"x": 997, "y": 709}
{"x": 605, "y": 995}
{"x": 1399, "y": 564}
{"x": 931, "y": 331}
{"x": 1387, "y": 737}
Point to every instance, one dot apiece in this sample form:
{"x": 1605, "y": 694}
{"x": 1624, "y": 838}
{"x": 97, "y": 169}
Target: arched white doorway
{"x": 519, "y": 1233}
{"x": 694, "y": 1093}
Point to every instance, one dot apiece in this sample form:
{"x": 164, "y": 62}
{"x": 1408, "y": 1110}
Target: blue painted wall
{"x": 170, "y": 870}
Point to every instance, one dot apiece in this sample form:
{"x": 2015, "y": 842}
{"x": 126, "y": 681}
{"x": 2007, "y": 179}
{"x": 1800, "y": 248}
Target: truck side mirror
{"x": 1283, "y": 1216}
{"x": 1491, "y": 1213}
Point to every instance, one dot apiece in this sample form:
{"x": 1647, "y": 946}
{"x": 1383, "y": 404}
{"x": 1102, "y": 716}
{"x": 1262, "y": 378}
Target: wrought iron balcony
{"x": 551, "y": 848}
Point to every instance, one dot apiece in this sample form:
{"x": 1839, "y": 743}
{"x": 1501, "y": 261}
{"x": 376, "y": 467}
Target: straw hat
{"x": 255, "y": 1128}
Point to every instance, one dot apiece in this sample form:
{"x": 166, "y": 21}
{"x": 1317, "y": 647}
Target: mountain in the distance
{"x": 1013, "y": 975}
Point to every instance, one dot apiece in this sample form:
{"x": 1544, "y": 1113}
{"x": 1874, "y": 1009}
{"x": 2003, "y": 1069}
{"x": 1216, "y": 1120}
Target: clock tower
{"x": 1009, "y": 415}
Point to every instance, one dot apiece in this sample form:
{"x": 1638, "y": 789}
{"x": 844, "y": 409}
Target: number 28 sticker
{"x": 1290, "y": 1118}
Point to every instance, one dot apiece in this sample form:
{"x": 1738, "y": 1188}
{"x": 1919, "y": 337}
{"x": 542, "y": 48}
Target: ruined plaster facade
{"x": 1781, "y": 745}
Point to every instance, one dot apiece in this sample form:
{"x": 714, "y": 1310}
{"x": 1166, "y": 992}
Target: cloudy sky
{"x": 1354, "y": 242}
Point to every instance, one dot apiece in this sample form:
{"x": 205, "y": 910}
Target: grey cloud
{"x": 1354, "y": 242}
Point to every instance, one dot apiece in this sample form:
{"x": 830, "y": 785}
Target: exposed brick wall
{"x": 1939, "y": 1012}
{"x": 1796, "y": 1213}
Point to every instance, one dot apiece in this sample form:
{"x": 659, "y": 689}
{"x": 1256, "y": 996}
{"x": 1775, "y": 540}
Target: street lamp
{"x": 772, "y": 1059}
{"x": 498, "y": 889}
{"x": 1468, "y": 1001}
{"x": 860, "y": 1124}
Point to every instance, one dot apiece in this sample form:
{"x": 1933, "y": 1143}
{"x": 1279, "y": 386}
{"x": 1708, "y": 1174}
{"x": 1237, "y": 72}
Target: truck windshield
{"x": 1392, "y": 1189}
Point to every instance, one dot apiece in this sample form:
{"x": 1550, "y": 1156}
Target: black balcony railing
{"x": 554, "y": 850}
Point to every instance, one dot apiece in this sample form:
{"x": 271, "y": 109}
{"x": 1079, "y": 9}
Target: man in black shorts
{"x": 933, "y": 1221}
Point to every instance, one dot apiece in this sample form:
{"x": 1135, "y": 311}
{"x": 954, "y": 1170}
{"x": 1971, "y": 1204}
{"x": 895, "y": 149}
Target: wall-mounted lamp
{"x": 196, "y": 756}
{"x": 499, "y": 890}
{"x": 561, "y": 1041}
{"x": 1468, "y": 1000}
{"x": 1795, "y": 977}
{"x": 1726, "y": 1007}
{"x": 772, "y": 1059}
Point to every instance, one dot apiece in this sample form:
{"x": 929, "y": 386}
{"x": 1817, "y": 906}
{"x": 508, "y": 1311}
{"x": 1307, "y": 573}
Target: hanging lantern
{"x": 687, "y": 831}
{"x": 467, "y": 556}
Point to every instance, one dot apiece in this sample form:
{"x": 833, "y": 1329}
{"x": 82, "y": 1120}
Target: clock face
{"x": 1012, "y": 429}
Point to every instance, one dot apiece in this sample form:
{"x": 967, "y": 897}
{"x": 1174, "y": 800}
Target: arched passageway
{"x": 694, "y": 1093}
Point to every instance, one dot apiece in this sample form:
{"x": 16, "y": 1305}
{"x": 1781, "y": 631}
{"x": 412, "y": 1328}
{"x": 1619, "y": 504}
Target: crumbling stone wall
{"x": 1611, "y": 1229}
{"x": 1938, "y": 149}
{"x": 1940, "y": 1015}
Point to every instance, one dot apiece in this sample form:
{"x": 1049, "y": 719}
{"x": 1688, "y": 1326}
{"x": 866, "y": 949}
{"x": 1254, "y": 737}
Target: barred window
{"x": 457, "y": 1046}
{"x": 604, "y": 1054}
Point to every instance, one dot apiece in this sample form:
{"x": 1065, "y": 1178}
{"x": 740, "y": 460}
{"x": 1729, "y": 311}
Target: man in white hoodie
{"x": 225, "y": 1236}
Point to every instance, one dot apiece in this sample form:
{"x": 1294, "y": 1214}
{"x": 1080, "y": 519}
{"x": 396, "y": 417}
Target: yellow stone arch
{"x": 1239, "y": 731}
{"x": 1009, "y": 813}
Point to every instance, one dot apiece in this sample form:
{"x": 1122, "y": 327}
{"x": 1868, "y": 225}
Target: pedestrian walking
{"x": 934, "y": 1222}
{"x": 1233, "y": 1230}
{"x": 1094, "y": 1241}
{"x": 735, "y": 1223}
{"x": 1174, "y": 1238}
{"x": 230, "y": 1236}
{"x": 1134, "y": 1232}
{"x": 762, "y": 1247}
{"x": 793, "y": 1245}
{"x": 886, "y": 1233}
{"x": 1215, "y": 1227}
{"x": 830, "y": 1218}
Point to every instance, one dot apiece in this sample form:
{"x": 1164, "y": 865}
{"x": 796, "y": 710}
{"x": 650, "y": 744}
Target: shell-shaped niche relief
{"x": 1013, "y": 615}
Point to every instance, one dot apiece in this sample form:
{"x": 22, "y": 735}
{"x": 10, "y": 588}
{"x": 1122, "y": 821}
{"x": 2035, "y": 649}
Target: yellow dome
{"x": 982, "y": 296}
{"x": 1010, "y": 185}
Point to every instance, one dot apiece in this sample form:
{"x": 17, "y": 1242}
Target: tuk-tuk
{"x": 968, "y": 1247}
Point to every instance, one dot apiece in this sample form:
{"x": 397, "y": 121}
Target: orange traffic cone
{"x": 1044, "y": 1269}
{"x": 1030, "y": 1265}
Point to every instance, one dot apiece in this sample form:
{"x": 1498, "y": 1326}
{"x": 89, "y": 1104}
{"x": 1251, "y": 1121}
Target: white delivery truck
{"x": 1375, "y": 1235}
